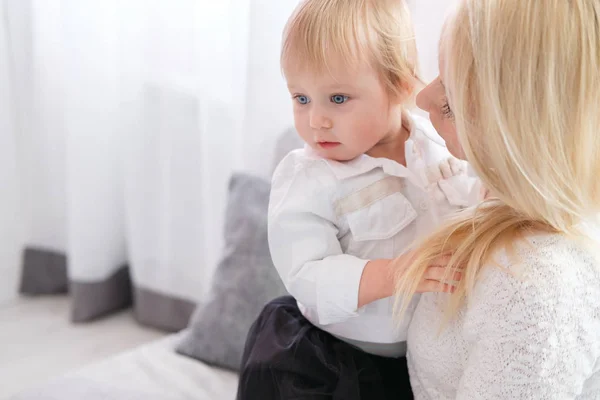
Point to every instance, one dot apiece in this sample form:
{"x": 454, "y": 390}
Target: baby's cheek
{"x": 367, "y": 127}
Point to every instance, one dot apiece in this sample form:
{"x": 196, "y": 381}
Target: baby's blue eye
{"x": 339, "y": 99}
{"x": 302, "y": 99}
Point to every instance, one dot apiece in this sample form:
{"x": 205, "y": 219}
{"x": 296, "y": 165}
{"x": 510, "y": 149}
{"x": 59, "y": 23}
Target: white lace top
{"x": 533, "y": 333}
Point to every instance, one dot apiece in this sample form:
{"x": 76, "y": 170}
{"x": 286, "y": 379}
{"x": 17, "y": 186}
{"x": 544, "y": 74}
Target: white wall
{"x": 428, "y": 17}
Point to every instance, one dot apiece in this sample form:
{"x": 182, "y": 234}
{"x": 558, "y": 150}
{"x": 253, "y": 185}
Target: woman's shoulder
{"x": 535, "y": 318}
{"x": 549, "y": 261}
{"x": 542, "y": 277}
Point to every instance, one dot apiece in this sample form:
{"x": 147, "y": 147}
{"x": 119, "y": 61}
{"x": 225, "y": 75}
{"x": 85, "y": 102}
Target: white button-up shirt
{"x": 327, "y": 219}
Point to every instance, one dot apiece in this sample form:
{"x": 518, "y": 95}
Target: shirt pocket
{"x": 381, "y": 219}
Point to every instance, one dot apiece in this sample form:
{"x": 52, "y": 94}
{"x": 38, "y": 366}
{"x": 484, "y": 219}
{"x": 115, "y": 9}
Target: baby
{"x": 370, "y": 180}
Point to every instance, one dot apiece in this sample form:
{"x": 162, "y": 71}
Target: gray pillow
{"x": 244, "y": 281}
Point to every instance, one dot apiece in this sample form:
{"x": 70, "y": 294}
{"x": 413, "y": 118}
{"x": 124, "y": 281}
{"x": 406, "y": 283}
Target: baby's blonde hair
{"x": 523, "y": 80}
{"x": 352, "y": 31}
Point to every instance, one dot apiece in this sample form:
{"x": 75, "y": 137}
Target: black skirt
{"x": 286, "y": 357}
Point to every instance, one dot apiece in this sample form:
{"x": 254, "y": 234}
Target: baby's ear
{"x": 406, "y": 89}
{"x": 413, "y": 85}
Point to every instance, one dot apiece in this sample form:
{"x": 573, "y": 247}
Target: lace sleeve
{"x": 531, "y": 336}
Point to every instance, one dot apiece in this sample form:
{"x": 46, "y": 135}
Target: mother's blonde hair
{"x": 523, "y": 81}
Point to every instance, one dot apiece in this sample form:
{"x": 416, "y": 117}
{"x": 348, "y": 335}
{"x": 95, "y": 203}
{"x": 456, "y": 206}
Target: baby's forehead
{"x": 326, "y": 83}
{"x": 333, "y": 73}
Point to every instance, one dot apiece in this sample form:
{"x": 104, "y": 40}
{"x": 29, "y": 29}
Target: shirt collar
{"x": 364, "y": 163}
{"x": 470, "y": 171}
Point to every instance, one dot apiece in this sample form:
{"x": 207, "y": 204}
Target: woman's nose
{"x": 424, "y": 98}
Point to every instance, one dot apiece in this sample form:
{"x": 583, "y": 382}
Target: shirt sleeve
{"x": 528, "y": 338}
{"x": 304, "y": 244}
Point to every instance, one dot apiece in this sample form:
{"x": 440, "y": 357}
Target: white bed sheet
{"x": 151, "y": 372}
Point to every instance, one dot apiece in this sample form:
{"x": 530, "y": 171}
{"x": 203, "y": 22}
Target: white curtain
{"x": 121, "y": 122}
{"x": 10, "y": 234}
{"x": 127, "y": 119}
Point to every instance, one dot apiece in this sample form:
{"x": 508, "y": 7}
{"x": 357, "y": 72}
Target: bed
{"x": 150, "y": 372}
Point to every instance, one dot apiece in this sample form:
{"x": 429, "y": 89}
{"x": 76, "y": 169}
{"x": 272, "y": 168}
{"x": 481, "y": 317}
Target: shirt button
{"x": 424, "y": 205}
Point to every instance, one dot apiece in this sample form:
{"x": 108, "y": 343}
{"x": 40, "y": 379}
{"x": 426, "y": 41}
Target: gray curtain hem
{"x": 92, "y": 300}
{"x": 161, "y": 311}
{"x": 43, "y": 272}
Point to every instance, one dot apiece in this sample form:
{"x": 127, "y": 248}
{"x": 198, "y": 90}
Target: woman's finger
{"x": 435, "y": 287}
{"x": 444, "y": 261}
{"x": 442, "y": 274}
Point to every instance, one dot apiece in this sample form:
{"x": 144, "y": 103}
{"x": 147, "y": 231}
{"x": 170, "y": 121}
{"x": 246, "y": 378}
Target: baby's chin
{"x": 336, "y": 154}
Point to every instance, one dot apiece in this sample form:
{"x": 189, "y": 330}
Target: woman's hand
{"x": 378, "y": 282}
{"x": 437, "y": 278}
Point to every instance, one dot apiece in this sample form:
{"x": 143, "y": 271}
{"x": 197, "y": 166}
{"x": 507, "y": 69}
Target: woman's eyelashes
{"x": 446, "y": 110}
{"x": 335, "y": 99}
